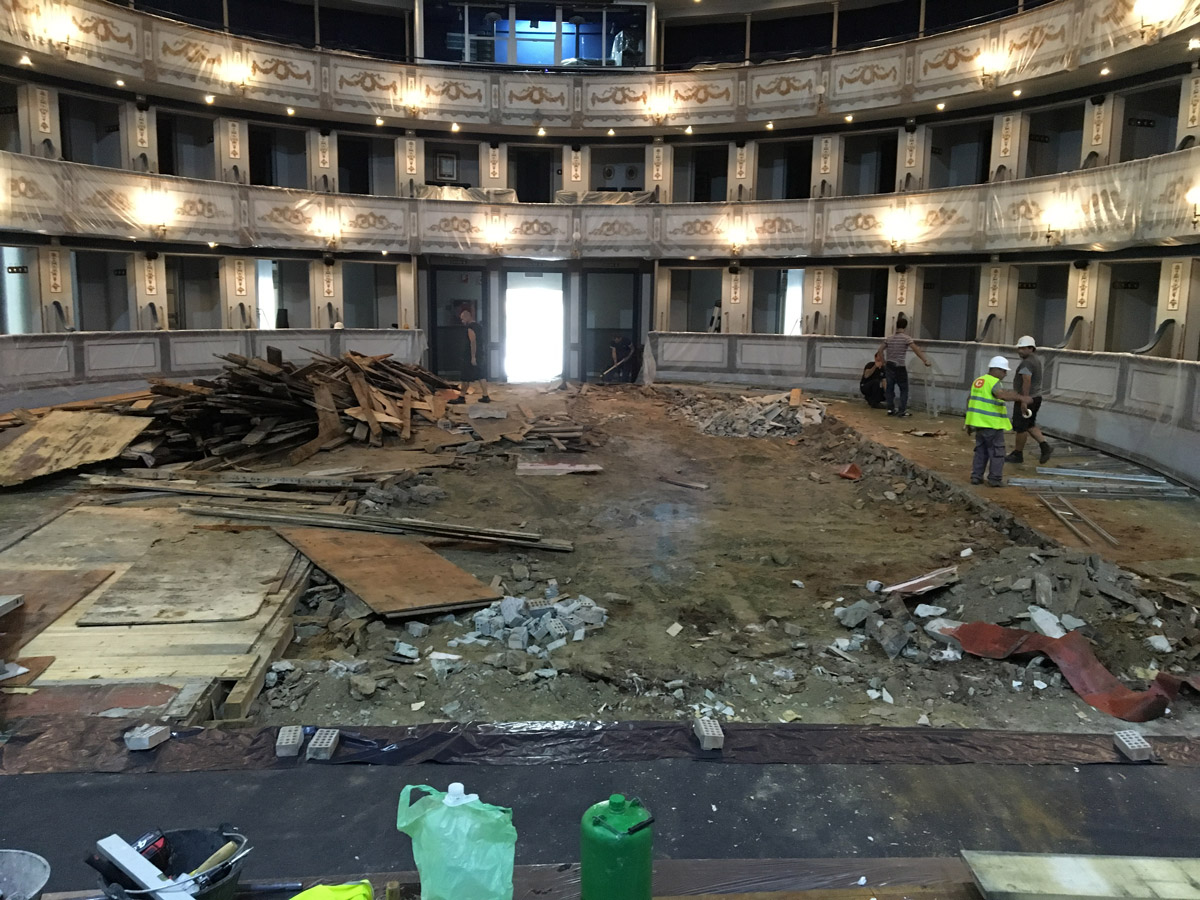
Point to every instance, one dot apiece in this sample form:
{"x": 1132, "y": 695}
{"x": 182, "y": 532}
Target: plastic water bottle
{"x": 616, "y": 859}
{"x": 463, "y": 847}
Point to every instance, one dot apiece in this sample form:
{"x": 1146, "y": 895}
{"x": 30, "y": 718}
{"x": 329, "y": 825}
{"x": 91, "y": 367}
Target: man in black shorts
{"x": 472, "y": 367}
{"x": 1028, "y": 381}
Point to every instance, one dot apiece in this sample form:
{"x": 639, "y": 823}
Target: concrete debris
{"x": 362, "y": 686}
{"x": 1046, "y": 622}
{"x": 146, "y": 737}
{"x": 855, "y": 614}
{"x": 674, "y": 630}
{"x": 769, "y": 416}
{"x": 1159, "y": 643}
{"x": 925, "y": 611}
{"x": 1070, "y": 622}
{"x": 890, "y": 634}
{"x": 416, "y": 629}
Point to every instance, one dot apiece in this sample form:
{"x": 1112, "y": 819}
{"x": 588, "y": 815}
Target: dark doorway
{"x": 612, "y": 309}
{"x": 533, "y": 173}
{"x": 450, "y": 291}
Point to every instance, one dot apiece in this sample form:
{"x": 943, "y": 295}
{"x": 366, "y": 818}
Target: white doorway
{"x": 533, "y": 326}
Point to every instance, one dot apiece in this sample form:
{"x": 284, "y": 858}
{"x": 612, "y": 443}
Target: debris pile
{"x": 775, "y": 415}
{"x": 256, "y": 408}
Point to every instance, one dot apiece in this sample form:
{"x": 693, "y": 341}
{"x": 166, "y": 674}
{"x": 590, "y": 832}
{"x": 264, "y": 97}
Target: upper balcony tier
{"x": 1056, "y": 47}
{"x": 1145, "y": 202}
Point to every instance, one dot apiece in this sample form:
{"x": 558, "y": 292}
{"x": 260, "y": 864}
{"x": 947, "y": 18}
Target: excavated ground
{"x": 722, "y": 563}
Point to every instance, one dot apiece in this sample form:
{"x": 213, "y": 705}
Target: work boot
{"x": 485, "y": 399}
{"x": 457, "y": 400}
{"x": 992, "y": 482}
{"x": 975, "y": 479}
{"x": 1015, "y": 457}
{"x": 1047, "y": 452}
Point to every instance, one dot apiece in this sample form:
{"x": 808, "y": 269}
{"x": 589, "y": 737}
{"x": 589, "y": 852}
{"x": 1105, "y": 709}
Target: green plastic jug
{"x": 616, "y": 860}
{"x": 463, "y": 848}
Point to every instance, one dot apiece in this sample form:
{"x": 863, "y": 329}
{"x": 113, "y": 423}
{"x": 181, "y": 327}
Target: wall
{"x": 1142, "y": 408}
{"x": 1132, "y": 302}
{"x": 37, "y": 370}
{"x": 1055, "y": 140}
{"x": 949, "y": 302}
{"x": 101, "y": 290}
{"x": 861, "y": 297}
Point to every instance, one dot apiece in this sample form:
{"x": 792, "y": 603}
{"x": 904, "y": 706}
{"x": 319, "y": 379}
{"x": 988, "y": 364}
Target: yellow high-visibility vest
{"x": 984, "y": 410}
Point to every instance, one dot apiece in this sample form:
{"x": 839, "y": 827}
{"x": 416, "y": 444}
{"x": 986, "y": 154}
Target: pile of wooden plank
{"x": 258, "y": 408}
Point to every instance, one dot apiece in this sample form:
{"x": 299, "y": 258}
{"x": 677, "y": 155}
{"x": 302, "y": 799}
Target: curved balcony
{"x": 1048, "y": 48}
{"x": 1144, "y": 202}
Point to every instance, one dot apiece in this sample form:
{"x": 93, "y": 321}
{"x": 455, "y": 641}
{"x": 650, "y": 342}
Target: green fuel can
{"x": 616, "y": 850}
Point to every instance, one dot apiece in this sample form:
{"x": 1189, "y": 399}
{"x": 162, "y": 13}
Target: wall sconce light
{"x": 737, "y": 236}
{"x": 327, "y": 225}
{"x": 24, "y": 60}
{"x": 1059, "y": 218}
{"x": 900, "y": 227}
{"x": 494, "y": 234}
{"x": 658, "y": 108}
{"x": 414, "y": 101}
{"x": 153, "y": 210}
{"x": 1153, "y": 14}
{"x": 237, "y": 73}
{"x": 991, "y": 66}
{"x": 1193, "y": 197}
{"x": 57, "y": 27}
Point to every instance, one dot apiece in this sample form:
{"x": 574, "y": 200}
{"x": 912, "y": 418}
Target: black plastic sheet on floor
{"x": 53, "y": 744}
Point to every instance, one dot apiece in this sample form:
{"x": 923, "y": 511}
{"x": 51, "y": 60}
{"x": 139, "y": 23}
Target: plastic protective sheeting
{"x": 52, "y": 744}
{"x": 453, "y": 192}
{"x": 1073, "y": 655}
{"x": 1137, "y": 202}
{"x": 605, "y": 198}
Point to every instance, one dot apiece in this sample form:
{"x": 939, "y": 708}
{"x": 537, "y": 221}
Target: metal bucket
{"x": 23, "y": 875}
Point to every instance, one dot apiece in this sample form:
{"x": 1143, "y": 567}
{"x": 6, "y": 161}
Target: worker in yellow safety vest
{"x": 987, "y": 414}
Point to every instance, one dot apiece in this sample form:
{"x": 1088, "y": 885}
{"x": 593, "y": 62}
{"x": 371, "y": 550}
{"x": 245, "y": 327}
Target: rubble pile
{"x": 770, "y": 416}
{"x": 256, "y": 408}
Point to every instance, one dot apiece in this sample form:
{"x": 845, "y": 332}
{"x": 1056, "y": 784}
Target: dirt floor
{"x": 724, "y": 563}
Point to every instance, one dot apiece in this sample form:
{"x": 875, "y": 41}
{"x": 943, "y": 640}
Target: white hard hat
{"x": 338, "y": 325}
{"x": 998, "y": 362}
{"x": 1026, "y": 340}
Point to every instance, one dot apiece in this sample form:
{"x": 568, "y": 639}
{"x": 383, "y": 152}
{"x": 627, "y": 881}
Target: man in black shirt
{"x": 621, "y": 349}
{"x": 872, "y": 384}
{"x": 472, "y": 367}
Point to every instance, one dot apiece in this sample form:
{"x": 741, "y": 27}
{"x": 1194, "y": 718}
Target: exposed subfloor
{"x": 722, "y": 563}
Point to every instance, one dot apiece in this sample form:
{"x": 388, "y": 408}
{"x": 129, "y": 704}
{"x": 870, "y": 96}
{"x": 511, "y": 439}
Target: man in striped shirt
{"x": 895, "y": 349}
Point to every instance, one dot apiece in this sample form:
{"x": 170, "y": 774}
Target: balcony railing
{"x": 1141, "y": 202}
{"x": 96, "y": 42}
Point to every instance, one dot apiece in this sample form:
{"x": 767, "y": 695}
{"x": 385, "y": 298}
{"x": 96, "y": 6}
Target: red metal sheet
{"x": 1074, "y": 657}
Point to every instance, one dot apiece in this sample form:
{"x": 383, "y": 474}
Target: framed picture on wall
{"x": 447, "y": 166}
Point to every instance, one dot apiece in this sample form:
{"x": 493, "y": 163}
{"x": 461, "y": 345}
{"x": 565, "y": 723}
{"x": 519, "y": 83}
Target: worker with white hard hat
{"x": 1028, "y": 380}
{"x": 987, "y": 414}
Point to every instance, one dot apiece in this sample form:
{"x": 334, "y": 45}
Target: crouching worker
{"x": 987, "y": 414}
{"x": 873, "y": 380}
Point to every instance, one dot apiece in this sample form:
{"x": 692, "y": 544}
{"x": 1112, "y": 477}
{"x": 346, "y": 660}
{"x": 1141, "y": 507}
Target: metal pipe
{"x": 1083, "y": 537}
{"x": 1100, "y": 531}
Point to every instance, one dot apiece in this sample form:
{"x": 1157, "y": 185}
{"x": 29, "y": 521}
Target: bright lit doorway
{"x": 533, "y": 326}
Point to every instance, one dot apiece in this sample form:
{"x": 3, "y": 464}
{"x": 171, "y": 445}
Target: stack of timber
{"x": 259, "y": 408}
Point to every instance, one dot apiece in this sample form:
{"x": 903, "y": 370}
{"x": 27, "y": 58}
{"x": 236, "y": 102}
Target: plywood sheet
{"x": 206, "y": 576}
{"x": 393, "y": 575}
{"x": 1047, "y": 876}
{"x": 48, "y": 594}
{"x": 66, "y": 440}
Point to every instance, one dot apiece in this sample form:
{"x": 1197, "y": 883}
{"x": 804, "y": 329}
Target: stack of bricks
{"x": 520, "y": 624}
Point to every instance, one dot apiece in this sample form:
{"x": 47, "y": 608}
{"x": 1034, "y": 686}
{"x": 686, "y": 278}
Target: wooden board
{"x": 434, "y": 439}
{"x": 210, "y": 576}
{"x": 48, "y": 594}
{"x": 393, "y": 575}
{"x": 67, "y": 440}
{"x": 1046, "y": 876}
